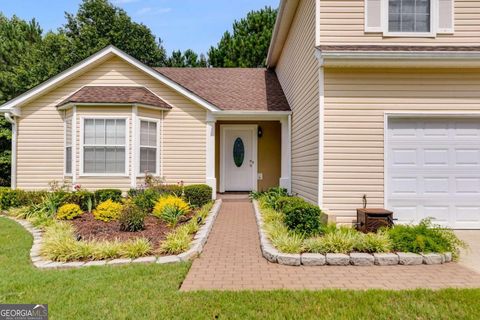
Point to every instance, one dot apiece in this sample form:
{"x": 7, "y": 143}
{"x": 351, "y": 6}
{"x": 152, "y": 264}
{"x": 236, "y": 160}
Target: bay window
{"x": 104, "y": 146}
{"x": 149, "y": 146}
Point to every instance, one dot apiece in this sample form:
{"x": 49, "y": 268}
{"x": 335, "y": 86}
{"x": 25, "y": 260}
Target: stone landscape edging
{"x": 270, "y": 253}
{"x": 196, "y": 247}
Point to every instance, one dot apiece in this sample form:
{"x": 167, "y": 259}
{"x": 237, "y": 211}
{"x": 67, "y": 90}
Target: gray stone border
{"x": 339, "y": 259}
{"x": 196, "y": 247}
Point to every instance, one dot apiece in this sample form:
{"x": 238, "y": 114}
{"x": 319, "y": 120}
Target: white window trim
{"x": 127, "y": 146}
{"x": 158, "y": 172}
{"x": 65, "y": 146}
{"x": 433, "y": 23}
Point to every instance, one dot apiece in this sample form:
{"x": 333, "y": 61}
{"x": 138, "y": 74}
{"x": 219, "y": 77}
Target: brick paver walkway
{"x": 232, "y": 260}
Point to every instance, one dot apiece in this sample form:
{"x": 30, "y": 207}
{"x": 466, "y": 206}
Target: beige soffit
{"x": 286, "y": 13}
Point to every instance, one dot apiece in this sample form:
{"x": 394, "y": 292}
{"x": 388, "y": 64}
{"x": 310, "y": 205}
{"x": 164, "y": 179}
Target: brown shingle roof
{"x": 116, "y": 94}
{"x": 396, "y": 48}
{"x": 247, "y": 89}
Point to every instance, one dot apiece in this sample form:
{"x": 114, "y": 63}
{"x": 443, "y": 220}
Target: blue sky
{"x": 182, "y": 24}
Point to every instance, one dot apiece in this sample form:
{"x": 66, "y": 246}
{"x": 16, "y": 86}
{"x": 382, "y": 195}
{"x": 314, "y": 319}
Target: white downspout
{"x": 10, "y": 118}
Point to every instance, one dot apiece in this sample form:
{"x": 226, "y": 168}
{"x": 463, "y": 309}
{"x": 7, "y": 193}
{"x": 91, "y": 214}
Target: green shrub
{"x": 83, "y": 198}
{"x": 176, "y": 242}
{"x": 107, "y": 211}
{"x": 302, "y": 217}
{"x": 373, "y": 242}
{"x": 69, "y": 211}
{"x": 146, "y": 199}
{"x": 102, "y": 195}
{"x": 425, "y": 237}
{"x": 283, "y": 202}
{"x": 198, "y": 194}
{"x": 132, "y": 218}
{"x": 169, "y": 189}
{"x": 269, "y": 198}
{"x": 8, "y": 198}
{"x": 170, "y": 208}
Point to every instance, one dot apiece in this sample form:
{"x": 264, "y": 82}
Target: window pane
{"x": 394, "y": 23}
{"x": 120, "y": 160}
{"x": 99, "y": 131}
{"x": 68, "y": 160}
{"x": 422, "y": 7}
{"x": 408, "y": 24}
{"x": 422, "y": 23}
{"x": 152, "y": 134}
{"x": 110, "y": 132}
{"x": 110, "y": 160}
{"x": 89, "y": 160}
{"x": 68, "y": 133}
{"x": 89, "y": 131}
{"x": 148, "y": 160}
{"x": 120, "y": 131}
{"x": 100, "y": 160}
{"x": 144, "y": 133}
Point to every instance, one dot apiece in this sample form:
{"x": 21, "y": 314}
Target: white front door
{"x": 238, "y": 171}
{"x": 433, "y": 170}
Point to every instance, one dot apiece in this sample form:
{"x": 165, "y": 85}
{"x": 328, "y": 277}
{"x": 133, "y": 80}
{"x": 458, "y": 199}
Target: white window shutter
{"x": 373, "y": 16}
{"x": 445, "y": 16}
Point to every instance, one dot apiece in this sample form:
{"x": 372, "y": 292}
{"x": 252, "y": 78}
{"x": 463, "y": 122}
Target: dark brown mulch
{"x": 87, "y": 228}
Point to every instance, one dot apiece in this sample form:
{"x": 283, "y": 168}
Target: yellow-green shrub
{"x": 170, "y": 209}
{"x": 108, "y": 211}
{"x": 69, "y": 211}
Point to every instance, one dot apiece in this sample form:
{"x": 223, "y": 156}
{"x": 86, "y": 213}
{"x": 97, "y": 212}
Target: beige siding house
{"x": 110, "y": 119}
{"x": 361, "y": 99}
{"x": 385, "y": 94}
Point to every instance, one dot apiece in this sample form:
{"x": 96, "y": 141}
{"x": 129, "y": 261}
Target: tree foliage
{"x": 186, "y": 59}
{"x": 248, "y": 45}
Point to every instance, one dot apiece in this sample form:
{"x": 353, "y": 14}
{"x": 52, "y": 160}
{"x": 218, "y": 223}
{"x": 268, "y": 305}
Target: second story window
{"x": 409, "y": 16}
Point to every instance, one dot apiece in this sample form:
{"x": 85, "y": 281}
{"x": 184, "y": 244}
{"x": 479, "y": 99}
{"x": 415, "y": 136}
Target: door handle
{"x": 251, "y": 163}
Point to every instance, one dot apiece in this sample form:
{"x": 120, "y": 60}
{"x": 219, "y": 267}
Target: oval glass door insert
{"x": 238, "y": 152}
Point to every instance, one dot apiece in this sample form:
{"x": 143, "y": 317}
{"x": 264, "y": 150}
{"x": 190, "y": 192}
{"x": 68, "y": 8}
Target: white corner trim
{"x": 162, "y": 123}
{"x": 13, "y": 175}
{"x": 321, "y": 134}
{"x": 108, "y": 51}
{"x": 286, "y": 155}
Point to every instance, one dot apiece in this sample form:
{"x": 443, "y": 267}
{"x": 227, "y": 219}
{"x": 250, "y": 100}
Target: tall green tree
{"x": 187, "y": 59}
{"x": 248, "y": 45}
{"x": 98, "y": 23}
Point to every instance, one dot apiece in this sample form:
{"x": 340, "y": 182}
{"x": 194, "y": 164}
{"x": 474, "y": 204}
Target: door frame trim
{"x": 413, "y": 115}
{"x": 223, "y": 130}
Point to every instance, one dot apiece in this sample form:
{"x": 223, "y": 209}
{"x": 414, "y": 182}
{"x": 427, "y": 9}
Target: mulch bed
{"x": 87, "y": 228}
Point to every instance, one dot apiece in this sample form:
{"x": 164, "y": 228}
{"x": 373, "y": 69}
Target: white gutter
{"x": 13, "y": 178}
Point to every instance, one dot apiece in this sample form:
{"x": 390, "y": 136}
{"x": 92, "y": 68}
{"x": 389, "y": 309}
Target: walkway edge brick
{"x": 196, "y": 247}
{"x": 272, "y": 254}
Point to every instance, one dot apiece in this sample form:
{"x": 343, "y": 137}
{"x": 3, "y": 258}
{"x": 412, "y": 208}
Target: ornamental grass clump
{"x": 334, "y": 240}
{"x": 176, "y": 242}
{"x": 69, "y": 211}
{"x": 170, "y": 209}
{"x": 107, "y": 211}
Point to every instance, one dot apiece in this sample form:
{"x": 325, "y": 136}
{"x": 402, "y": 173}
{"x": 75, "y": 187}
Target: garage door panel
{"x": 433, "y": 170}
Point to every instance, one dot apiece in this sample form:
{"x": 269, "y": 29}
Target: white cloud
{"x": 152, "y": 11}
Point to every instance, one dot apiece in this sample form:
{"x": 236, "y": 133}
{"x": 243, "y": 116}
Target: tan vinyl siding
{"x": 355, "y": 104}
{"x": 342, "y": 22}
{"x": 298, "y": 71}
{"x": 41, "y": 130}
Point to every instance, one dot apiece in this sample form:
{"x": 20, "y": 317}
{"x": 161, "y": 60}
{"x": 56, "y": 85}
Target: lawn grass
{"x": 151, "y": 292}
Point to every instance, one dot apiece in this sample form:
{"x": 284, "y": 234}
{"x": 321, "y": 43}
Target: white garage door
{"x": 433, "y": 170}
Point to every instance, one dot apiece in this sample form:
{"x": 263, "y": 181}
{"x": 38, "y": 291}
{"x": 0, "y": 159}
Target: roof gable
{"x": 102, "y": 55}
